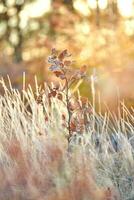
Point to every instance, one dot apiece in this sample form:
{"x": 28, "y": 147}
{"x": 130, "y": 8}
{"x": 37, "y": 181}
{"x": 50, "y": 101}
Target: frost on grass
{"x": 34, "y": 159}
{"x": 54, "y": 146}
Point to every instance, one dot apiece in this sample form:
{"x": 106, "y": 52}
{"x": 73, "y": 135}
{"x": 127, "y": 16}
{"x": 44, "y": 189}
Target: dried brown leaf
{"x": 62, "y": 55}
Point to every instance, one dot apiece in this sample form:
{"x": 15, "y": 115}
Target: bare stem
{"x": 68, "y": 109}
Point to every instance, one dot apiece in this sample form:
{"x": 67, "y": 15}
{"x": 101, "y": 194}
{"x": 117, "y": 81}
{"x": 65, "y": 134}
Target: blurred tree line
{"x": 10, "y": 22}
{"x": 14, "y": 35}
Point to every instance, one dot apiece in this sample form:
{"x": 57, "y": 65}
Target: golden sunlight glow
{"x": 82, "y": 7}
{"x": 35, "y": 9}
{"x": 83, "y": 27}
{"x": 126, "y": 7}
{"x": 39, "y": 7}
{"x": 129, "y": 27}
{"x": 92, "y": 4}
{"x": 102, "y": 4}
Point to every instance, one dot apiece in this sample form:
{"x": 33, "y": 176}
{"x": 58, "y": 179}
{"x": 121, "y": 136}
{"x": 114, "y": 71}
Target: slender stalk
{"x": 24, "y": 86}
{"x": 68, "y": 109}
{"x": 93, "y": 100}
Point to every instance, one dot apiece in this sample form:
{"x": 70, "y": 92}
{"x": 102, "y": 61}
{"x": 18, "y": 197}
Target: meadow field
{"x": 41, "y": 159}
{"x": 67, "y": 100}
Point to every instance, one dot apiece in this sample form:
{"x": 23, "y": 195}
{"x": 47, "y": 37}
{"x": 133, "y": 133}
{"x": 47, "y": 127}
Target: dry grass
{"x": 34, "y": 159}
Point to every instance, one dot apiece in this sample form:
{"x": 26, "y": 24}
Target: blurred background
{"x": 98, "y": 33}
